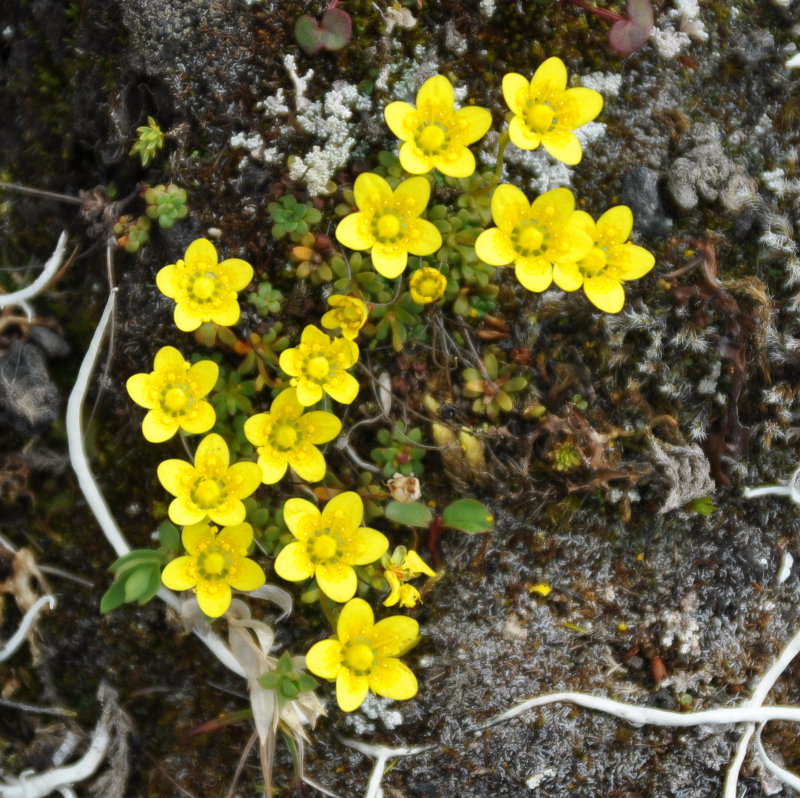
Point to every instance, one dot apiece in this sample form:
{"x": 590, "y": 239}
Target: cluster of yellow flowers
{"x": 546, "y": 240}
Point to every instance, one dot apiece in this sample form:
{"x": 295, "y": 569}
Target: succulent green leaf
{"x": 411, "y": 514}
{"x": 468, "y": 515}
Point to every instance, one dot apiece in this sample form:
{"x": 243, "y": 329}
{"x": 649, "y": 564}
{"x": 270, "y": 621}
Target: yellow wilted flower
{"x": 347, "y": 313}
{"x": 329, "y": 544}
{"x": 401, "y": 567}
{"x": 546, "y": 111}
{"x": 611, "y": 260}
{"x": 434, "y": 133}
{"x": 364, "y": 656}
{"x": 317, "y": 365}
{"x": 216, "y": 562}
{"x": 387, "y": 222}
{"x": 173, "y": 393}
{"x": 211, "y": 488}
{"x": 203, "y": 288}
{"x": 533, "y": 236}
{"x": 286, "y": 437}
{"x": 427, "y": 285}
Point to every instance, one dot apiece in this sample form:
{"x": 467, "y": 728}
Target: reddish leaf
{"x": 628, "y": 35}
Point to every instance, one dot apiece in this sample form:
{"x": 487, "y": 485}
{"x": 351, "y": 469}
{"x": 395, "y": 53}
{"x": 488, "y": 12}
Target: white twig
{"x": 381, "y": 754}
{"x": 30, "y": 291}
{"x": 92, "y": 493}
{"x": 30, "y": 616}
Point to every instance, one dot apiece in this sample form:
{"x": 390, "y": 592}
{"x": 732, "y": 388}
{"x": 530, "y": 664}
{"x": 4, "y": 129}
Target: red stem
{"x": 611, "y": 16}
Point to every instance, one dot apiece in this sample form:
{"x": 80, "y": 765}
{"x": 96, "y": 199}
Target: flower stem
{"x": 501, "y": 149}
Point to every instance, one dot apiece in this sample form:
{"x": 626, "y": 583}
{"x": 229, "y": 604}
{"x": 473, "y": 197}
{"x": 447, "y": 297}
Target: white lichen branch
{"x": 16, "y": 640}
{"x": 381, "y": 754}
{"x": 92, "y": 494}
{"x": 791, "y": 489}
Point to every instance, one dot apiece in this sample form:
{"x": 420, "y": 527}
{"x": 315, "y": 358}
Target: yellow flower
{"x": 611, "y": 260}
{"x": 534, "y": 235}
{"x": 173, "y": 393}
{"x": 364, "y": 656}
{"x": 387, "y": 222}
{"x": 286, "y": 437}
{"x": 211, "y": 488}
{"x": 435, "y": 135}
{"x": 402, "y": 566}
{"x": 318, "y": 365}
{"x": 328, "y": 544}
{"x": 203, "y": 288}
{"x": 427, "y": 285}
{"x": 348, "y": 313}
{"x": 215, "y": 564}
{"x": 546, "y": 111}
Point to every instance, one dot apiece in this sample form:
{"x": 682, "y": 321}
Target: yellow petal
{"x": 522, "y": 136}
{"x": 414, "y": 194}
{"x": 227, "y": 314}
{"x": 138, "y": 387}
{"x": 352, "y": 233}
{"x": 240, "y": 272}
{"x": 574, "y": 245}
{"x": 293, "y": 563}
{"x": 212, "y": 451}
{"x": 273, "y": 467}
{"x": 394, "y": 589}
{"x": 299, "y": 516}
{"x": 229, "y": 514}
{"x": 324, "y": 659}
{"x": 554, "y": 208}
{"x": 564, "y": 146}
{"x": 632, "y": 262}
{"x": 585, "y": 105}
{"x": 580, "y": 220}
{"x": 355, "y": 620}
{"x": 535, "y": 274}
{"x": 291, "y": 362}
{"x": 615, "y": 225}
{"x": 343, "y": 388}
{"x": 414, "y": 161}
{"x": 158, "y": 428}
{"x": 473, "y": 122}
{"x": 435, "y": 93}
{"x": 243, "y": 479}
{"x": 319, "y": 426}
{"x": 179, "y": 574}
{"x": 416, "y": 565}
{"x": 387, "y": 263}
{"x": 169, "y": 358}
{"x": 509, "y": 206}
{"x": 338, "y": 582}
{"x": 249, "y": 575}
{"x": 371, "y": 191}
{"x": 215, "y": 599}
{"x": 307, "y": 462}
{"x": 393, "y": 679}
{"x": 255, "y": 428}
{"x": 343, "y": 352}
{"x": 174, "y": 474}
{"x": 516, "y": 91}
{"x": 201, "y": 252}
{"x": 567, "y": 276}
{"x": 366, "y": 546}
{"x": 551, "y": 71}
{"x": 238, "y": 538}
{"x": 308, "y": 393}
{"x": 205, "y": 373}
{"x": 394, "y": 635}
{"x": 456, "y": 162}
{"x": 167, "y": 281}
{"x": 426, "y": 238}
{"x": 345, "y": 510}
{"x": 351, "y": 690}
{"x": 186, "y": 321}
{"x": 605, "y": 293}
{"x": 314, "y": 337}
{"x": 201, "y": 420}
{"x": 196, "y": 537}
{"x": 183, "y": 512}
{"x": 400, "y": 119}
{"x": 494, "y": 247}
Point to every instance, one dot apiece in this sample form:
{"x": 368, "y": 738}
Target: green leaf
{"x": 137, "y": 582}
{"x": 411, "y": 514}
{"x": 288, "y": 689}
{"x": 134, "y": 559}
{"x": 270, "y": 680}
{"x": 152, "y": 588}
{"x": 468, "y": 515}
{"x": 285, "y": 666}
{"x": 114, "y": 597}
{"x": 169, "y": 537}
{"x": 702, "y": 506}
{"x": 306, "y": 683}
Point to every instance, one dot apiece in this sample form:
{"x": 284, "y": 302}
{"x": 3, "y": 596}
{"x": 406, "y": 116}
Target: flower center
{"x": 388, "y": 226}
{"x": 175, "y": 401}
{"x": 323, "y": 548}
{"x": 352, "y": 314}
{"x": 540, "y": 117}
{"x": 214, "y": 563}
{"x": 318, "y": 367}
{"x": 594, "y": 262}
{"x": 359, "y": 657}
{"x": 284, "y": 436}
{"x": 208, "y": 493}
{"x": 204, "y": 287}
{"x": 527, "y": 238}
{"x": 431, "y": 139}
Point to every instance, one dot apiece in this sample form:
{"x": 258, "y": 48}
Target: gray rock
{"x": 49, "y": 341}
{"x": 29, "y": 400}
{"x": 640, "y": 193}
